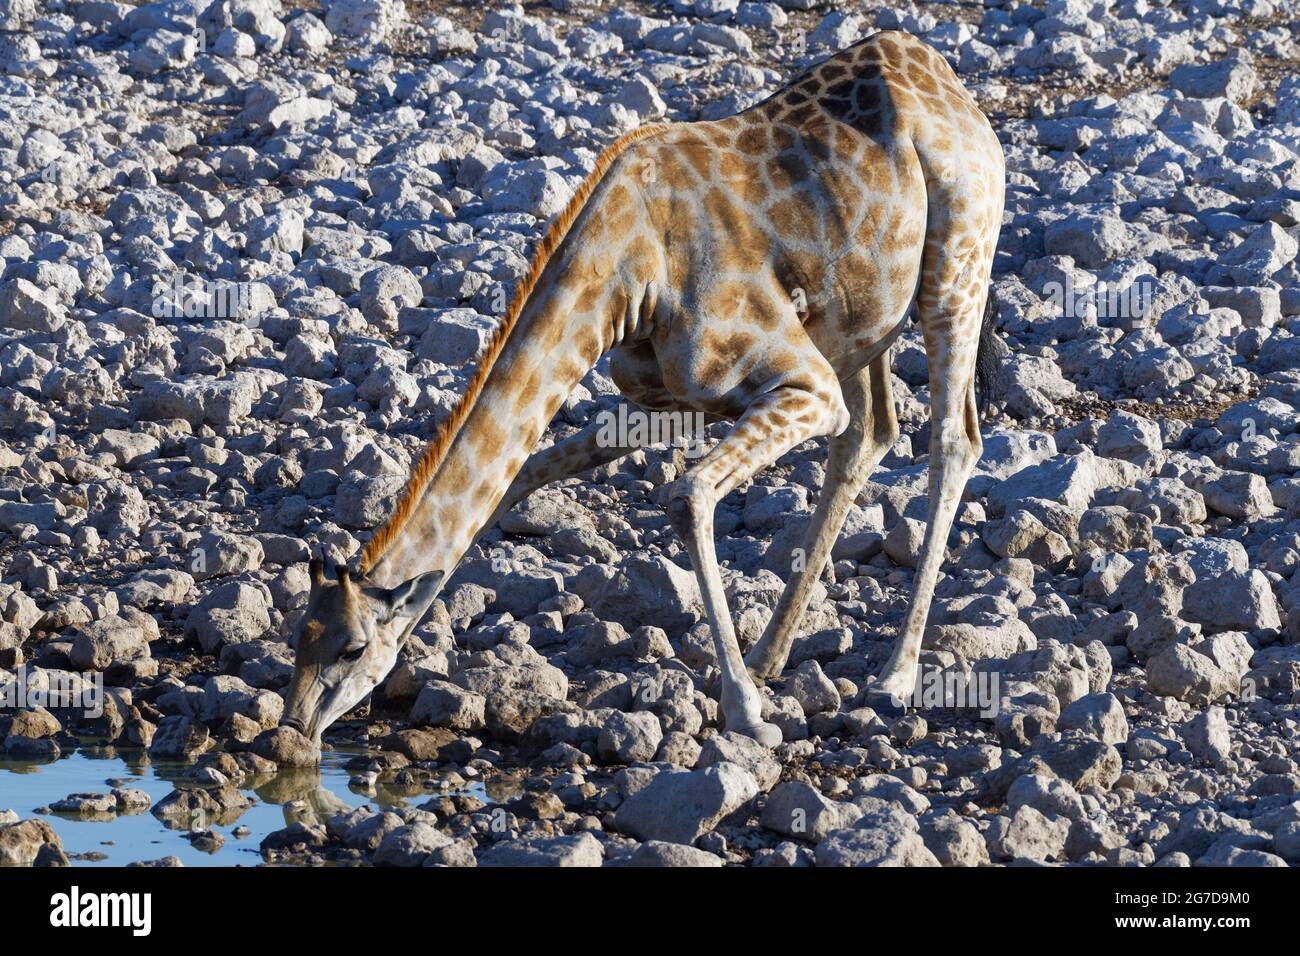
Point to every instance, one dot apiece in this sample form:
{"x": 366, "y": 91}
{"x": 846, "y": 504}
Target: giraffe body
{"x": 810, "y": 211}
{"x": 754, "y": 268}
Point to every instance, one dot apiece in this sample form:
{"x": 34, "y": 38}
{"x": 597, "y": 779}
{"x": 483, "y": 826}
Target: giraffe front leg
{"x": 873, "y": 429}
{"x": 691, "y": 513}
{"x": 587, "y": 449}
{"x": 775, "y": 423}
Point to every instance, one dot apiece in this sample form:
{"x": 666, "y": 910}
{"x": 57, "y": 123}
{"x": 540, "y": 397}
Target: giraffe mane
{"x": 436, "y": 449}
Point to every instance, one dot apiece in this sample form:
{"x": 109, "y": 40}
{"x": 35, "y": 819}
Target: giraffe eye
{"x": 354, "y": 654}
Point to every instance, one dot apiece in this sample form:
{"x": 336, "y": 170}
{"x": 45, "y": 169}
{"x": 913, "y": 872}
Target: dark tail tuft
{"x": 987, "y": 358}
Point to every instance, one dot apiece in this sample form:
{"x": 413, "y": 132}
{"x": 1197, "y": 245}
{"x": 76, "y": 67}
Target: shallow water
{"x": 125, "y": 838}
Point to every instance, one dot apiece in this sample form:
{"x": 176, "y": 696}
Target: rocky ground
{"x": 352, "y": 191}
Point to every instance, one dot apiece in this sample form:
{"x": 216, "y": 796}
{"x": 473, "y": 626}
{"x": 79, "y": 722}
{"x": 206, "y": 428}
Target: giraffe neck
{"x": 589, "y": 288}
{"x": 557, "y": 339}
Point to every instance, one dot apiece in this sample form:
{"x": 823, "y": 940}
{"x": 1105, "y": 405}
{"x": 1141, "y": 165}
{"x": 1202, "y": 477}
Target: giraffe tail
{"x": 988, "y": 355}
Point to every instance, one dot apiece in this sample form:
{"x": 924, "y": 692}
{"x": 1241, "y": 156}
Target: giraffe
{"x": 756, "y": 269}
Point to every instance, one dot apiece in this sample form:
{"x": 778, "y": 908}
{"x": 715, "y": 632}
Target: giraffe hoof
{"x": 769, "y": 735}
{"x": 886, "y": 705}
{"x": 760, "y": 669}
{"x": 760, "y": 674}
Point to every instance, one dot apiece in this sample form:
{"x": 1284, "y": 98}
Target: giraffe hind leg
{"x": 964, "y": 215}
{"x": 955, "y": 448}
{"x": 951, "y": 313}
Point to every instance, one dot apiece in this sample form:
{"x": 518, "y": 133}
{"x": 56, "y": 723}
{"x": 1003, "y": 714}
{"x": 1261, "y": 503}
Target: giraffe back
{"x": 818, "y": 198}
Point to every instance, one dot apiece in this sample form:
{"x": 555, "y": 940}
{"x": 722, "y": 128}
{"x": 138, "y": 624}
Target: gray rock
{"x": 25, "y": 307}
{"x": 410, "y": 845}
{"x": 1186, "y": 673}
{"x": 22, "y": 842}
{"x": 286, "y": 747}
{"x": 1207, "y": 735}
{"x": 815, "y": 692}
{"x": 179, "y": 738}
{"x": 1130, "y": 437}
{"x": 882, "y": 838}
{"x": 744, "y": 752}
{"x": 372, "y": 19}
{"x": 644, "y": 590}
{"x": 656, "y": 853}
{"x": 1232, "y": 601}
{"x": 903, "y": 543}
{"x": 1097, "y": 715}
{"x": 866, "y": 791}
{"x": 1093, "y": 241}
{"x": 219, "y": 554}
{"x": 1266, "y": 250}
{"x": 110, "y": 640}
{"x": 306, "y": 34}
{"x": 578, "y": 849}
{"x": 1022, "y": 535}
{"x": 443, "y": 704}
{"x": 1027, "y": 835}
{"x": 454, "y": 336}
{"x": 363, "y": 502}
{"x": 797, "y": 810}
{"x": 537, "y": 192}
{"x": 680, "y": 807}
{"x": 233, "y": 613}
{"x": 1070, "y": 480}
{"x": 1047, "y": 795}
{"x": 628, "y": 738}
{"x": 385, "y": 292}
{"x": 954, "y": 841}
{"x": 1233, "y": 79}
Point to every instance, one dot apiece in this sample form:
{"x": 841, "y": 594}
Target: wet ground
{"x": 29, "y": 788}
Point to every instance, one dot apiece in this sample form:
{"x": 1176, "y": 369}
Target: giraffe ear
{"x": 316, "y": 569}
{"x": 411, "y": 598}
{"x": 347, "y": 581}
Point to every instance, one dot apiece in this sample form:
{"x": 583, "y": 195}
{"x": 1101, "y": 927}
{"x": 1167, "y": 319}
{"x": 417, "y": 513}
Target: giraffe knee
{"x": 972, "y": 421}
{"x": 955, "y": 442}
{"x": 685, "y": 508}
{"x": 837, "y": 414}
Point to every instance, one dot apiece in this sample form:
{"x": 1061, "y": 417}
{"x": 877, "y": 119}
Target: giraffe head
{"x": 347, "y": 641}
